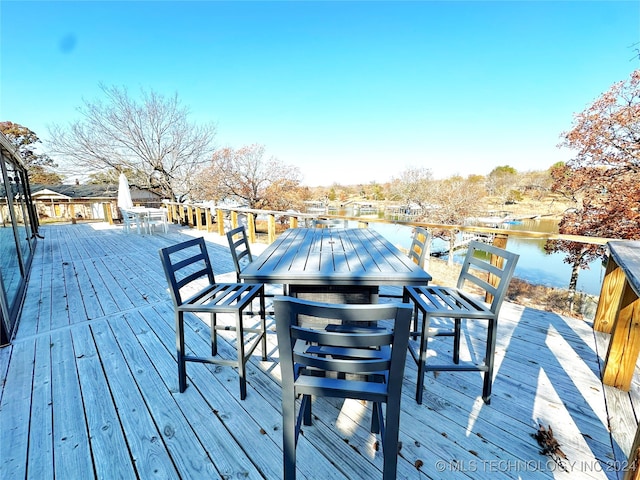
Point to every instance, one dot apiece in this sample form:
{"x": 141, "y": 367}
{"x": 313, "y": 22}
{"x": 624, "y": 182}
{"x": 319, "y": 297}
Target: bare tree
{"x": 454, "y": 200}
{"x": 151, "y": 136}
{"x": 413, "y": 187}
{"x": 246, "y": 175}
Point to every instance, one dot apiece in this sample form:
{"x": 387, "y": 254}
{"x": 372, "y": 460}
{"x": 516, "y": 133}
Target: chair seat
{"x": 448, "y": 302}
{"x": 222, "y": 298}
{"x": 338, "y": 387}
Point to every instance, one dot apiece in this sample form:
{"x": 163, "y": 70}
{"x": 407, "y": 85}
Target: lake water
{"x": 535, "y": 265}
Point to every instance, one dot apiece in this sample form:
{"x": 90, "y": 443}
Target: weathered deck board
{"x": 15, "y": 410}
{"x": 40, "y": 456}
{"x": 89, "y": 388}
{"x": 623, "y": 423}
{"x": 145, "y": 441}
{"x": 72, "y": 452}
{"x": 109, "y": 448}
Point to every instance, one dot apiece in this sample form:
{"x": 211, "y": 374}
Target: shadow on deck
{"x": 89, "y": 388}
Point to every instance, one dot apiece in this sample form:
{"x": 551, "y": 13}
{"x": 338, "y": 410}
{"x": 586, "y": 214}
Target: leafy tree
{"x": 245, "y": 175}
{"x": 112, "y": 177}
{"x": 376, "y": 191}
{"x": 106, "y": 177}
{"x": 151, "y": 137}
{"x": 501, "y": 182}
{"x": 41, "y": 176}
{"x": 25, "y": 141}
{"x": 602, "y": 179}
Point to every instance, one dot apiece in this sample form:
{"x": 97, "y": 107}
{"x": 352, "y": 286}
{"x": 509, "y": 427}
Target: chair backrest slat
{"x": 185, "y": 264}
{"x": 489, "y": 268}
{"x": 240, "y": 249}
{"x": 352, "y": 350}
{"x": 357, "y": 339}
{"x": 420, "y": 246}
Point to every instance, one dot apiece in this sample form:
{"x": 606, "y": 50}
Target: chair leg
{"x": 214, "y": 335}
{"x": 289, "y": 435}
{"x": 242, "y": 370}
{"x": 422, "y": 357}
{"x": 406, "y": 299}
{"x": 489, "y": 361}
{"x": 263, "y": 321}
{"x": 182, "y": 368}
{"x": 416, "y": 319}
{"x": 390, "y": 440}
{"x": 376, "y": 417}
{"x": 307, "y": 419}
{"x": 456, "y": 341}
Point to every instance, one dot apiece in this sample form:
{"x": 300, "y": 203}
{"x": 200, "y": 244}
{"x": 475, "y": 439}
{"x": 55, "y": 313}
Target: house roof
{"x": 103, "y": 191}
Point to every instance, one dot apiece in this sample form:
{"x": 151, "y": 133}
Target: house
{"x": 89, "y": 202}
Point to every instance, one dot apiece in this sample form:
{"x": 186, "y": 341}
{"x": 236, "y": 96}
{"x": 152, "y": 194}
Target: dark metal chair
{"x": 418, "y": 253}
{"x": 488, "y": 268}
{"x": 241, "y": 253}
{"x": 193, "y": 289}
{"x": 240, "y": 249}
{"x": 420, "y": 246}
{"x": 352, "y": 361}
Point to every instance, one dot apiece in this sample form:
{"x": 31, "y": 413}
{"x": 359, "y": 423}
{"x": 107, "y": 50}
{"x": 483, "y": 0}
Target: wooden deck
{"x": 89, "y": 388}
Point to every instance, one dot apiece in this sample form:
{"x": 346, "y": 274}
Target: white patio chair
{"x": 157, "y": 218}
{"x": 131, "y": 220}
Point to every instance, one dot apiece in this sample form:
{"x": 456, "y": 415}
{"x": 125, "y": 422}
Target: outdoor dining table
{"x": 336, "y": 265}
{"x": 145, "y": 216}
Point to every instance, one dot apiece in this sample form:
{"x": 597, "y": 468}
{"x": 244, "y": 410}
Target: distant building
{"x": 88, "y": 202}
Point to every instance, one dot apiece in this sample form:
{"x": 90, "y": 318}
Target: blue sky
{"x": 348, "y": 91}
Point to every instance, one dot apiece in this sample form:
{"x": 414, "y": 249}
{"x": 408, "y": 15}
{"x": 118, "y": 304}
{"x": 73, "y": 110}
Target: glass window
{"x": 17, "y": 182}
{"x": 18, "y": 236}
{"x": 10, "y": 264}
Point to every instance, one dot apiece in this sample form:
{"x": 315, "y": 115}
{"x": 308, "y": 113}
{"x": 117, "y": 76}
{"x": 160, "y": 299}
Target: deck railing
{"x": 215, "y": 218}
{"x": 221, "y": 219}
